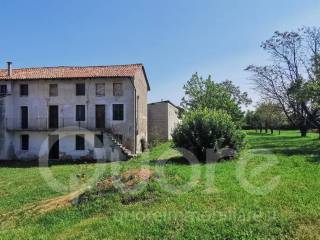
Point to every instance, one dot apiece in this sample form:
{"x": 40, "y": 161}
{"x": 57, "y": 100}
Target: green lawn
{"x": 271, "y": 192}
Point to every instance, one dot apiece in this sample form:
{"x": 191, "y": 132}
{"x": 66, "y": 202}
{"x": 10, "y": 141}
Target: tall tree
{"x": 295, "y": 65}
{"x": 203, "y": 93}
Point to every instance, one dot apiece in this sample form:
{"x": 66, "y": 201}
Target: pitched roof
{"x": 63, "y": 72}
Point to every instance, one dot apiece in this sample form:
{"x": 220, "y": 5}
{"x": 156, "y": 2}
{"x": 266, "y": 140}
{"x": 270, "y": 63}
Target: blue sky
{"x": 173, "y": 38}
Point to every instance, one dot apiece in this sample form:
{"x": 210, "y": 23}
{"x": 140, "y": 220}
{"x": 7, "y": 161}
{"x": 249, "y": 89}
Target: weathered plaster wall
{"x": 162, "y": 119}
{"x": 142, "y": 108}
{"x": 158, "y": 122}
{"x": 173, "y": 119}
{"x": 2, "y": 123}
{"x": 38, "y": 102}
{"x": 38, "y": 146}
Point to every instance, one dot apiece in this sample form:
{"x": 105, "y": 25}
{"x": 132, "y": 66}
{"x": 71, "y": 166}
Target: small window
{"x": 118, "y": 138}
{"x": 80, "y": 113}
{"x": 3, "y": 89}
{"x": 24, "y": 90}
{"x": 118, "y": 112}
{"x": 80, "y": 142}
{"x": 117, "y": 89}
{"x": 100, "y": 90}
{"x": 53, "y": 90}
{"x": 98, "y": 141}
{"x": 80, "y": 89}
{"x": 25, "y": 142}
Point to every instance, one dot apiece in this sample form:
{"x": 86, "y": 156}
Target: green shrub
{"x": 203, "y": 129}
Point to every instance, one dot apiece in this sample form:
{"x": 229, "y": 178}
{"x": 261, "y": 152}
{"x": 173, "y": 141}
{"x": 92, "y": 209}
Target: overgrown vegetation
{"x": 205, "y": 129}
{"x": 212, "y": 117}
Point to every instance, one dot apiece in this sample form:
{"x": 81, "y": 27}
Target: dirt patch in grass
{"x": 126, "y": 180}
{"x": 135, "y": 185}
{"x": 56, "y": 203}
{"x": 124, "y": 183}
{"x": 41, "y": 207}
{"x": 308, "y": 231}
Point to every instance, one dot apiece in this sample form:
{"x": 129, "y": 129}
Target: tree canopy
{"x": 203, "y": 93}
{"x": 292, "y": 78}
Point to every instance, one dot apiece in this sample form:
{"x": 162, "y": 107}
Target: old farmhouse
{"x": 73, "y": 112}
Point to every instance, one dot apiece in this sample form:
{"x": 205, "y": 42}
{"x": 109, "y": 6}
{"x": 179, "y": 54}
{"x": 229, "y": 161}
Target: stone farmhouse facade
{"x": 163, "y": 117}
{"x": 73, "y": 112}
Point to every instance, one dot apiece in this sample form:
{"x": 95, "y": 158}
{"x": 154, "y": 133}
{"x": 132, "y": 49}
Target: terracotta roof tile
{"x": 63, "y": 72}
{"x": 71, "y": 72}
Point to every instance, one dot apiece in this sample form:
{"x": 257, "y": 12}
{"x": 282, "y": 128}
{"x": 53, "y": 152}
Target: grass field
{"x": 271, "y": 192}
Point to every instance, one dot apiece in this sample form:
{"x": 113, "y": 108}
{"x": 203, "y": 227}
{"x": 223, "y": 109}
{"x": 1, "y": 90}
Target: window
{"x": 24, "y": 117}
{"x": 80, "y": 89}
{"x": 24, "y": 90}
{"x": 98, "y": 141}
{"x": 24, "y": 142}
{"x": 53, "y": 90}
{"x": 80, "y": 113}
{"x": 117, "y": 89}
{"x": 80, "y": 142}
{"x": 117, "y": 110}
{"x": 100, "y": 89}
{"x": 118, "y": 138}
{"x": 3, "y": 89}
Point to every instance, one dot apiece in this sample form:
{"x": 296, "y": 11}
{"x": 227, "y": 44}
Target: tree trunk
{"x": 279, "y": 131}
{"x": 266, "y": 130}
{"x": 303, "y": 131}
{"x": 260, "y": 130}
{"x": 271, "y": 130}
{"x": 303, "y": 128}
{"x": 319, "y": 132}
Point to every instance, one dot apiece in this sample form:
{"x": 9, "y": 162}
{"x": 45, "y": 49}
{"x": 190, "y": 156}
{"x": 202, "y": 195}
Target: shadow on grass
{"x": 314, "y": 159}
{"x": 184, "y": 161}
{"x": 289, "y": 146}
{"x": 32, "y": 164}
{"x": 18, "y": 164}
{"x": 173, "y": 160}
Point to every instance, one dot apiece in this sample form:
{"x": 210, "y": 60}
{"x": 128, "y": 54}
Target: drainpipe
{"x": 134, "y": 115}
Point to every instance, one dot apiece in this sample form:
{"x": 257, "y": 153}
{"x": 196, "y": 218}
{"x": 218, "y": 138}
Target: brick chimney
{"x": 9, "y": 68}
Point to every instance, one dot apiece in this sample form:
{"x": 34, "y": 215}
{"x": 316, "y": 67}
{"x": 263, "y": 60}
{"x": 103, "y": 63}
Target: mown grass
{"x": 271, "y": 192}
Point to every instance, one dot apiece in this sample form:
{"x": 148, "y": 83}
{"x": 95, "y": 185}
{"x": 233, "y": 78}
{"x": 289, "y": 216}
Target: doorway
{"x": 53, "y": 117}
{"x": 54, "y": 148}
{"x": 100, "y": 116}
{"x": 24, "y": 117}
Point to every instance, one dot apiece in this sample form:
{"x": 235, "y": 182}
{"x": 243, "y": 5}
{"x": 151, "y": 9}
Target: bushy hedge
{"x": 203, "y": 129}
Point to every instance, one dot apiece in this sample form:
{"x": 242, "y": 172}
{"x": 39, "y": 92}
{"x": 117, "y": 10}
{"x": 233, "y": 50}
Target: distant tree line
{"x": 267, "y": 116}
